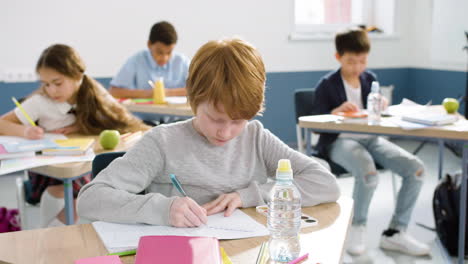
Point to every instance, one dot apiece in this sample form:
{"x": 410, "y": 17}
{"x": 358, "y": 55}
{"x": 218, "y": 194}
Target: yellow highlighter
{"x": 23, "y": 111}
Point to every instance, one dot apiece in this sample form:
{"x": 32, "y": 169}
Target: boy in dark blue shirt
{"x": 346, "y": 90}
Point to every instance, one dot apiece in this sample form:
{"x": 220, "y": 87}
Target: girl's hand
{"x": 185, "y": 212}
{"x": 226, "y": 202}
{"x": 33, "y": 132}
{"x": 66, "y": 130}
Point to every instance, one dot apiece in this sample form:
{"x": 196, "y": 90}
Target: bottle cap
{"x": 375, "y": 88}
{"x": 284, "y": 171}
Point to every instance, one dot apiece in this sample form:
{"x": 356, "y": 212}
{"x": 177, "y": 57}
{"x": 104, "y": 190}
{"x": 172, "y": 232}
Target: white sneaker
{"x": 404, "y": 243}
{"x": 357, "y": 243}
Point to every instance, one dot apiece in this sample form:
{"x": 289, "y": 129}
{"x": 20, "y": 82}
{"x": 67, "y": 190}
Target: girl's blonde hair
{"x": 230, "y": 73}
{"x": 93, "y": 112}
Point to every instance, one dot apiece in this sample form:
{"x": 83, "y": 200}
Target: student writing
{"x": 159, "y": 60}
{"x": 68, "y": 101}
{"x": 346, "y": 89}
{"x": 222, "y": 159}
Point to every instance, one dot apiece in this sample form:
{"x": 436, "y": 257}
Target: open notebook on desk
{"x": 121, "y": 237}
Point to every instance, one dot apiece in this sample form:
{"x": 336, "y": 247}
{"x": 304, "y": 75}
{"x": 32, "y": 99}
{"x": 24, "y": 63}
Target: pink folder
{"x": 100, "y": 260}
{"x": 178, "y": 249}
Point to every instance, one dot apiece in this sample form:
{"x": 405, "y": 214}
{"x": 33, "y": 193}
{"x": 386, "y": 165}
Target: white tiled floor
{"x": 379, "y": 216}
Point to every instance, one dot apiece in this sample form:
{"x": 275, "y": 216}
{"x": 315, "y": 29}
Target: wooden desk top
{"x": 164, "y": 109}
{"x": 324, "y": 242}
{"x": 74, "y": 169}
{"x": 456, "y": 131}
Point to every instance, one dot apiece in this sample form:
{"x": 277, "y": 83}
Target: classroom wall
{"x": 106, "y": 33}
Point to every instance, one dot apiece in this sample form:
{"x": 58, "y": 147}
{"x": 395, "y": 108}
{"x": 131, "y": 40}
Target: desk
{"x": 67, "y": 172}
{"x": 164, "y": 109}
{"x": 324, "y": 242}
{"x": 457, "y": 131}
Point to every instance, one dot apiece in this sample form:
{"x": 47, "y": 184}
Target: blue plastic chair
{"x": 101, "y": 161}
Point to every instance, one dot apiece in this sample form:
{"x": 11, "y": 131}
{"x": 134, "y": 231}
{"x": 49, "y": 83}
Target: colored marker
{"x": 124, "y": 253}
{"x": 299, "y": 259}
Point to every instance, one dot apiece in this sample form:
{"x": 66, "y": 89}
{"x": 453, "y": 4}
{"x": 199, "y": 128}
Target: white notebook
{"x": 431, "y": 119}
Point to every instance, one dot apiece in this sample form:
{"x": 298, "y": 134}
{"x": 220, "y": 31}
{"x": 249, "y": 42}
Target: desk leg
{"x": 462, "y": 223}
{"x": 307, "y": 138}
{"x": 68, "y": 190}
{"x": 441, "y": 157}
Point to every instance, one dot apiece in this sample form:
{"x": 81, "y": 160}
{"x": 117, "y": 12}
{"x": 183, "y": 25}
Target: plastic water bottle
{"x": 374, "y": 104}
{"x": 284, "y": 215}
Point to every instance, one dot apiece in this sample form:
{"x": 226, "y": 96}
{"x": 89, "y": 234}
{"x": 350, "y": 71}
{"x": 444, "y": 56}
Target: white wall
{"x": 107, "y": 32}
{"x": 437, "y": 37}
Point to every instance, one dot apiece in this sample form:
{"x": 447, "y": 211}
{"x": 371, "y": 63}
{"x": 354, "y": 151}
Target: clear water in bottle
{"x": 284, "y": 216}
{"x": 374, "y": 104}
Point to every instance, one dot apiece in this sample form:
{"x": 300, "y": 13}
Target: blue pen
{"x": 176, "y": 184}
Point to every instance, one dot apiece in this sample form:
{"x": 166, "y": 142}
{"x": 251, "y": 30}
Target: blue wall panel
{"x": 420, "y": 85}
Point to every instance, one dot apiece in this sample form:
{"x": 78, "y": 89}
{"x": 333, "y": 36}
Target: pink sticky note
{"x": 100, "y": 260}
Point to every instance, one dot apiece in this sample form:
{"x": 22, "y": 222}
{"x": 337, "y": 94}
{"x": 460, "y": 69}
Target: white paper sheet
{"x": 19, "y": 164}
{"x": 120, "y": 237}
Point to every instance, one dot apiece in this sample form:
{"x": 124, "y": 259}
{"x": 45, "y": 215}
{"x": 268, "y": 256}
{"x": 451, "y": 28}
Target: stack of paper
{"x": 430, "y": 119}
{"x": 4, "y": 154}
{"x": 131, "y": 137}
{"x": 17, "y": 147}
{"x": 176, "y": 100}
{"x": 28, "y": 145}
{"x": 71, "y": 146}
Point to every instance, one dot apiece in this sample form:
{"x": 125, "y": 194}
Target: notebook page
{"x": 117, "y": 237}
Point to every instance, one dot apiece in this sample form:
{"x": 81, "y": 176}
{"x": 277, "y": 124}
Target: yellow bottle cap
{"x": 284, "y": 165}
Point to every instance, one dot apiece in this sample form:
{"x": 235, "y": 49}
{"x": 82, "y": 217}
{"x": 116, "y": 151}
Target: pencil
{"x": 23, "y": 111}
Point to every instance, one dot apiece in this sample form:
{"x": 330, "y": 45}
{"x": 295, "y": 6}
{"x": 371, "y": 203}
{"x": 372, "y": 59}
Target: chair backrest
{"x": 101, "y": 161}
{"x": 303, "y": 100}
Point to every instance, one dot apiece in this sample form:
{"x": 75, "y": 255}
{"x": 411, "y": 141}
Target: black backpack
{"x": 446, "y": 205}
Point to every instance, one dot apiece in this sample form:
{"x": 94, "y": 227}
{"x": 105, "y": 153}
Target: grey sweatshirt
{"x": 205, "y": 171}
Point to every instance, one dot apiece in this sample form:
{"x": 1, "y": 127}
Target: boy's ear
{"x": 149, "y": 44}
{"x": 337, "y": 56}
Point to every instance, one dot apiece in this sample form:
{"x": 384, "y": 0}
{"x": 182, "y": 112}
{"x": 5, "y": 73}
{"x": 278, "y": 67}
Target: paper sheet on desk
{"x": 19, "y": 139}
{"x": 119, "y": 237}
{"x": 406, "y": 107}
{"x": 19, "y": 164}
{"x": 405, "y": 124}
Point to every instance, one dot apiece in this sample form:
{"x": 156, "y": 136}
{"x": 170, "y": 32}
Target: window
{"x": 329, "y": 16}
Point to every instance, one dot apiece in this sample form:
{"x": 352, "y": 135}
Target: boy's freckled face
{"x": 352, "y": 64}
{"x": 58, "y": 87}
{"x": 216, "y": 126}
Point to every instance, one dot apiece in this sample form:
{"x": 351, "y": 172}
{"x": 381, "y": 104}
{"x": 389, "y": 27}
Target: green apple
{"x": 109, "y": 139}
{"x": 450, "y": 104}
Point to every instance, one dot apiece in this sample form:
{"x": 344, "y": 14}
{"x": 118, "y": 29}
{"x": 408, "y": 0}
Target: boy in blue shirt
{"x": 157, "y": 61}
{"x": 346, "y": 90}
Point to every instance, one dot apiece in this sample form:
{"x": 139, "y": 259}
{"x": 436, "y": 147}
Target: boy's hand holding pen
{"x": 184, "y": 211}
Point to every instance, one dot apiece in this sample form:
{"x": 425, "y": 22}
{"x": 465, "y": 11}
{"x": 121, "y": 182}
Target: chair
{"x": 101, "y": 161}
{"x": 303, "y": 99}
{"x": 303, "y": 102}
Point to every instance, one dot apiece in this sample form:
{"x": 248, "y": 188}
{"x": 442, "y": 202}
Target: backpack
{"x": 446, "y": 206}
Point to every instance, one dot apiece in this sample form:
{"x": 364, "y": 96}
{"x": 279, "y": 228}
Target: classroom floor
{"x": 379, "y": 216}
